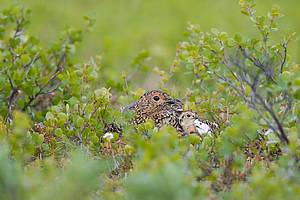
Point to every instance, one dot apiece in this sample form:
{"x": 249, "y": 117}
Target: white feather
{"x": 202, "y": 128}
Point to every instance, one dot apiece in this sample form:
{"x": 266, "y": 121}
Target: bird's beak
{"x": 175, "y": 103}
{"x": 128, "y": 107}
{"x": 171, "y": 101}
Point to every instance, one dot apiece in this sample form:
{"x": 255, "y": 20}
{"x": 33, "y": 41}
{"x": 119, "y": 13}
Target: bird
{"x": 158, "y": 106}
{"x": 192, "y": 124}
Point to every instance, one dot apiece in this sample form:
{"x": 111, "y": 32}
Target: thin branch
{"x": 241, "y": 94}
{"x": 84, "y": 108}
{"x": 10, "y": 81}
{"x": 41, "y": 90}
{"x": 11, "y": 99}
{"x": 282, "y": 136}
{"x": 254, "y": 60}
{"x": 266, "y": 37}
{"x": 11, "y": 102}
{"x": 35, "y": 58}
{"x": 227, "y": 65}
{"x": 287, "y": 108}
{"x": 18, "y": 28}
{"x": 284, "y": 45}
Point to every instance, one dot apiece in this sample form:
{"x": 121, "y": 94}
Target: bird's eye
{"x": 156, "y": 98}
{"x": 188, "y": 116}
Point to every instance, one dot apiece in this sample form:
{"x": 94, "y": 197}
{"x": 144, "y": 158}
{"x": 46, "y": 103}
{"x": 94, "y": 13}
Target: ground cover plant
{"x": 64, "y": 134}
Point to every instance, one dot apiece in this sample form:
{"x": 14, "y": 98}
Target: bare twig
{"x": 32, "y": 61}
{"x": 18, "y": 28}
{"x": 284, "y": 45}
{"x": 84, "y": 108}
{"x": 254, "y": 60}
{"x": 287, "y": 108}
{"x": 11, "y": 99}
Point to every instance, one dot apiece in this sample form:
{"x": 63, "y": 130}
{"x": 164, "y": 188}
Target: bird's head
{"x": 187, "y": 116}
{"x": 153, "y": 100}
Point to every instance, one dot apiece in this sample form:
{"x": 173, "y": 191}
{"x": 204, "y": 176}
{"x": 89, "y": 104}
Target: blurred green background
{"x": 126, "y": 27}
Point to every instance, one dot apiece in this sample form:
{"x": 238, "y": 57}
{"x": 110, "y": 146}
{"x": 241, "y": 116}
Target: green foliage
{"x": 63, "y": 135}
{"x": 159, "y": 169}
{"x": 34, "y": 76}
{"x": 255, "y": 69}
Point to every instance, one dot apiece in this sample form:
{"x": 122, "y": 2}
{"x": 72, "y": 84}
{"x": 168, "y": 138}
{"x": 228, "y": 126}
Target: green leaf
{"x": 49, "y": 116}
{"x": 194, "y": 139}
{"x": 62, "y": 118}
{"x": 25, "y": 59}
{"x": 38, "y": 139}
{"x": 297, "y": 94}
{"x": 79, "y": 122}
{"x": 59, "y": 132}
{"x": 238, "y": 38}
{"x": 275, "y": 11}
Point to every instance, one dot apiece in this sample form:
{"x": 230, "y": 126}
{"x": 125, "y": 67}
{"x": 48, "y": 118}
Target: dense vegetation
{"x": 55, "y": 110}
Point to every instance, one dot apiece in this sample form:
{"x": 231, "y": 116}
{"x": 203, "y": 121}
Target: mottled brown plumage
{"x": 157, "y": 106}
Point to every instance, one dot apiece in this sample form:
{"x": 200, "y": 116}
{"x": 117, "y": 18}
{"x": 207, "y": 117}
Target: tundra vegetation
{"x": 55, "y": 111}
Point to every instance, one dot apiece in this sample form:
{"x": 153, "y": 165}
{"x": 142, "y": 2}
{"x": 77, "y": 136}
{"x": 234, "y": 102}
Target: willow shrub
{"x": 54, "y": 114}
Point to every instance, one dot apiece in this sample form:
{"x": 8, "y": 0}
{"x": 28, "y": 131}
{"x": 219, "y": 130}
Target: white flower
{"x": 108, "y": 136}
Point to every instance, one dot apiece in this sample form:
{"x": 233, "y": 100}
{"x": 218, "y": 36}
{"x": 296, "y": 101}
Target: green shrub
{"x": 55, "y": 114}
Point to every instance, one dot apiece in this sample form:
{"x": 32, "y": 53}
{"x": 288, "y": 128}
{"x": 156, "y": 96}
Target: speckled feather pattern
{"x": 164, "y": 109}
{"x": 159, "y": 107}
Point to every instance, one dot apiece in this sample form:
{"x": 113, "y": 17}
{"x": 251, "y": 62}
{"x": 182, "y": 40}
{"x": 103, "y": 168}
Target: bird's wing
{"x": 213, "y": 125}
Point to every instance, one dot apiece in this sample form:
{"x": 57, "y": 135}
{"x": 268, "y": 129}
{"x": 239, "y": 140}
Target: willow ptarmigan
{"x": 157, "y": 106}
{"x": 192, "y": 124}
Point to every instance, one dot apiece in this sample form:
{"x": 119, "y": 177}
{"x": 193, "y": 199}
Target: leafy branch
{"x": 248, "y": 66}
